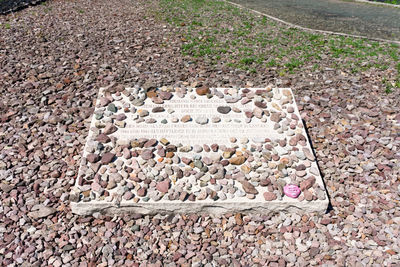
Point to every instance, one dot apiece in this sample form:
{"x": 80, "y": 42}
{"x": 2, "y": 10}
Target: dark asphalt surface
{"x": 349, "y": 17}
{"x": 7, "y": 6}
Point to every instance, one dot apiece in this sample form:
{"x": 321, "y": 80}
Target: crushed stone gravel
{"x": 53, "y": 60}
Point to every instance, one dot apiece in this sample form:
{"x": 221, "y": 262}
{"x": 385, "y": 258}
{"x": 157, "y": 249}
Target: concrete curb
{"x": 201, "y": 207}
{"x": 308, "y": 29}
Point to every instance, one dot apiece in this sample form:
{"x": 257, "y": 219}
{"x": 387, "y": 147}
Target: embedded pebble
{"x": 236, "y": 109}
{"x": 163, "y": 186}
{"x": 248, "y": 187}
{"x": 111, "y": 107}
{"x": 143, "y": 112}
{"x": 197, "y": 148}
{"x": 269, "y": 196}
{"x": 202, "y": 120}
{"x": 147, "y": 154}
{"x": 107, "y": 158}
{"x": 224, "y": 109}
{"x": 120, "y": 117}
{"x": 216, "y": 119}
{"x": 203, "y": 90}
{"x": 110, "y": 128}
{"x": 157, "y": 109}
{"x": 164, "y": 141}
{"x": 120, "y": 124}
{"x": 165, "y": 95}
{"x": 93, "y": 158}
{"x": 186, "y": 118}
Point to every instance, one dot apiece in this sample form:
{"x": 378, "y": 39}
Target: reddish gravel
{"x": 53, "y": 60}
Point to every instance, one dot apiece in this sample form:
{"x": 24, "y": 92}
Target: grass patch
{"x": 222, "y": 34}
{"x": 393, "y": 2}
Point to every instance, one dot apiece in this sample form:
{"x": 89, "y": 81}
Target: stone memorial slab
{"x": 185, "y": 150}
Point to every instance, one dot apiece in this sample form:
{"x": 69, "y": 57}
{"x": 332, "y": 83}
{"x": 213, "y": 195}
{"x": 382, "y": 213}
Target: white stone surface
{"x": 191, "y": 133}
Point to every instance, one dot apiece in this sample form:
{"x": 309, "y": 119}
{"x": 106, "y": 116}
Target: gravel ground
{"x": 53, "y": 60}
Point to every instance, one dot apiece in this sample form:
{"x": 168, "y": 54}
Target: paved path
{"x": 334, "y": 15}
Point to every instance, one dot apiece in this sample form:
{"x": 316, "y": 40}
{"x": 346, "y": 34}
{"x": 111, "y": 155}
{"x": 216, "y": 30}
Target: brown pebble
{"x": 206, "y": 148}
{"x": 163, "y": 186}
{"x": 149, "y": 143}
{"x": 237, "y": 160}
{"x": 158, "y": 109}
{"x": 308, "y": 195}
{"x": 213, "y": 195}
{"x": 103, "y": 138}
{"x": 110, "y": 128}
{"x": 275, "y": 117}
{"x": 157, "y": 100}
{"x": 203, "y": 90}
{"x": 142, "y": 192}
{"x": 164, "y": 141}
{"x": 93, "y": 158}
{"x": 183, "y": 196}
{"x": 151, "y": 94}
{"x": 185, "y": 160}
{"x": 260, "y": 104}
{"x": 107, "y": 158}
{"x": 238, "y": 219}
{"x": 265, "y": 182}
{"x": 248, "y": 187}
{"x": 192, "y": 197}
{"x": 164, "y": 95}
{"x": 246, "y": 169}
{"x": 225, "y": 162}
{"x": 269, "y": 196}
{"x": 214, "y": 147}
{"x": 308, "y": 183}
{"x": 147, "y": 154}
{"x": 186, "y": 118}
{"x": 171, "y": 148}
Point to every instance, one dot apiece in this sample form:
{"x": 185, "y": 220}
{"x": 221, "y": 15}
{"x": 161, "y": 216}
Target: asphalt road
{"x": 334, "y": 15}
{"x": 7, "y": 6}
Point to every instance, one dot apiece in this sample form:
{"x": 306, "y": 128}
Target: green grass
{"x": 222, "y": 34}
{"x": 393, "y": 2}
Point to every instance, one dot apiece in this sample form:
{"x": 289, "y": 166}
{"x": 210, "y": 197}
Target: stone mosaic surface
{"x": 197, "y": 149}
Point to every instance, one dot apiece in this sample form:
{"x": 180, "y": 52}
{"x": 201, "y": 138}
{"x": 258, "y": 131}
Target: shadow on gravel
{"x": 8, "y": 6}
{"x": 322, "y": 175}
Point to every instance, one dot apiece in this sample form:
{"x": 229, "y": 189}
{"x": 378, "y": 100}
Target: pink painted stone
{"x": 291, "y": 190}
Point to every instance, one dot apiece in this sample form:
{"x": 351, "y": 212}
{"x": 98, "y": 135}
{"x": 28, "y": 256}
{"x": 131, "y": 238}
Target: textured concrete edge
{"x": 176, "y": 207}
{"x": 309, "y": 29}
{"x": 377, "y": 3}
